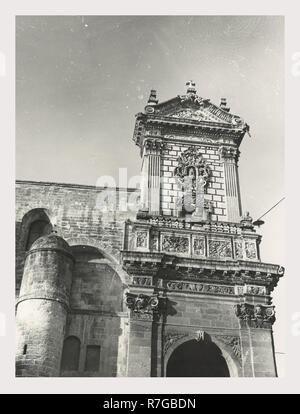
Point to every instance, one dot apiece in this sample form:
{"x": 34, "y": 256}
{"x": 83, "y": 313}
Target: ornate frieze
{"x": 175, "y": 244}
{"x": 204, "y": 140}
{"x": 220, "y": 248}
{"x": 142, "y": 280}
{"x": 257, "y": 316}
{"x": 181, "y": 286}
{"x": 179, "y": 267}
{"x": 255, "y": 290}
{"x": 177, "y": 223}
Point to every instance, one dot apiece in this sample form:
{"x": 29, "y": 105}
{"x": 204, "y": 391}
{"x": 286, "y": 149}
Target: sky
{"x": 80, "y": 80}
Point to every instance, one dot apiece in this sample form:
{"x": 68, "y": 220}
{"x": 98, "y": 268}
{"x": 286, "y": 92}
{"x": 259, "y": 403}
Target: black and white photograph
{"x": 150, "y": 196}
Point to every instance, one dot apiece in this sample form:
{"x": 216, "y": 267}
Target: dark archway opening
{"x": 197, "y": 359}
{"x": 37, "y": 229}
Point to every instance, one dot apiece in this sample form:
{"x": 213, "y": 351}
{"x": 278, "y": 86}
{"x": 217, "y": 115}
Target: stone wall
{"x": 42, "y": 309}
{"x": 74, "y": 210}
{"x": 205, "y": 312}
{"x": 39, "y": 339}
{"x": 96, "y": 314}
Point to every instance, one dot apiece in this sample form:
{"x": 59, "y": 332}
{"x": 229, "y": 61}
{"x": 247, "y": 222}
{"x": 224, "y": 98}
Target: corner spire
{"x": 223, "y": 105}
{"x": 152, "y": 98}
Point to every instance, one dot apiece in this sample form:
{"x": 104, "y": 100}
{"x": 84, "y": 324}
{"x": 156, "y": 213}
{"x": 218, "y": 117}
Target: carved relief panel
{"x": 198, "y": 246}
{"x": 218, "y": 248}
{"x": 250, "y": 250}
{"x": 175, "y": 244}
{"x": 245, "y": 249}
{"x": 141, "y": 239}
{"x": 192, "y": 175}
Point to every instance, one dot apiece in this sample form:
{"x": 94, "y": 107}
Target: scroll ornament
{"x": 144, "y": 304}
{"x": 234, "y": 342}
{"x": 192, "y": 159}
{"x": 258, "y": 314}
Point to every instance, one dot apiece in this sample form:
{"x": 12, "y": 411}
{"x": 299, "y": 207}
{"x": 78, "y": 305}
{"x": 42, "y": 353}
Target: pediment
{"x": 194, "y": 114}
{"x": 194, "y": 108}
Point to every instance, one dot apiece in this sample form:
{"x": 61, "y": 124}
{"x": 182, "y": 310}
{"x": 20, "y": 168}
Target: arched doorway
{"x": 197, "y": 359}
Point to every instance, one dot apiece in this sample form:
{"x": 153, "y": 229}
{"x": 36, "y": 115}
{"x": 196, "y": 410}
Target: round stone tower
{"x": 42, "y": 307}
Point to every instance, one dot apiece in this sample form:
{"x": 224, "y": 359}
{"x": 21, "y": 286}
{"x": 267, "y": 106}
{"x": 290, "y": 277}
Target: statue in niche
{"x": 192, "y": 174}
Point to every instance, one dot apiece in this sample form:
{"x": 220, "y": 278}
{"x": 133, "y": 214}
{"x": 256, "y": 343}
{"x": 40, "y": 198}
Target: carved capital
{"x": 153, "y": 145}
{"x": 144, "y": 306}
{"x": 229, "y": 153}
{"x": 256, "y": 316}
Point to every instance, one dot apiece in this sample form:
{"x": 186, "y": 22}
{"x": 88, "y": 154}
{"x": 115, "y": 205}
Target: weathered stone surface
{"x": 132, "y": 286}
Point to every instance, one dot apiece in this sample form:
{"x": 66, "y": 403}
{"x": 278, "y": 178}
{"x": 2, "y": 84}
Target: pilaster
{"x": 145, "y": 311}
{"x": 256, "y": 322}
{"x": 150, "y": 187}
{"x": 229, "y": 157}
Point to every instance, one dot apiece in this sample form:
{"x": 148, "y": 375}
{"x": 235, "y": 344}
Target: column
{"x": 257, "y": 339}
{"x": 142, "y": 353}
{"x": 229, "y": 157}
{"x": 150, "y": 186}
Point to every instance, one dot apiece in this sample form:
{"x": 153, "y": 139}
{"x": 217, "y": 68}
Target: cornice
{"x": 220, "y": 271}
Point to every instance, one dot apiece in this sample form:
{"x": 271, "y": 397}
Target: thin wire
{"x": 271, "y": 209}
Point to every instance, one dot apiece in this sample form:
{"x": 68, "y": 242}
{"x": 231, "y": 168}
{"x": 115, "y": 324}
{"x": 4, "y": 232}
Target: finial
{"x": 247, "y": 220}
{"x": 223, "y": 102}
{"x": 191, "y": 87}
{"x": 223, "y": 105}
{"x": 152, "y": 98}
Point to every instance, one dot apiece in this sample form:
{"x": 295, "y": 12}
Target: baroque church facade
{"x": 176, "y": 289}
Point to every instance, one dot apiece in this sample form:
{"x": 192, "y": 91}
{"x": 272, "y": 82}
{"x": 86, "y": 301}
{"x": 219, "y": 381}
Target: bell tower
{"x": 197, "y": 279}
